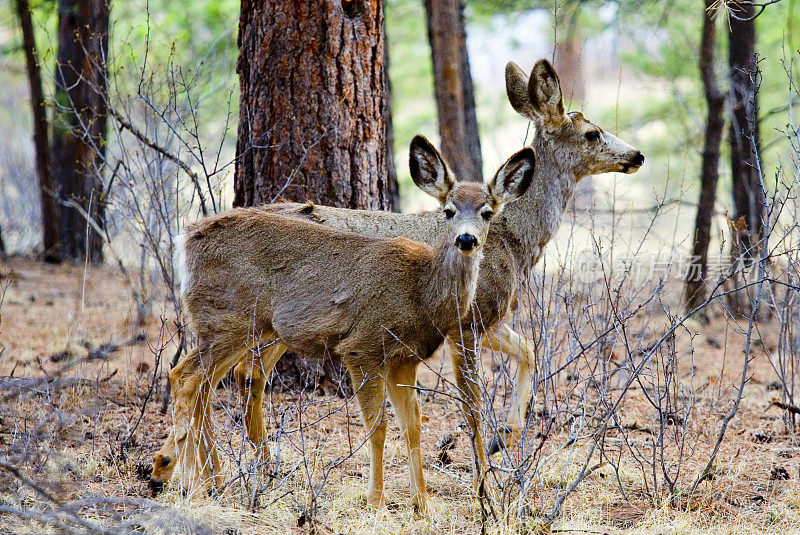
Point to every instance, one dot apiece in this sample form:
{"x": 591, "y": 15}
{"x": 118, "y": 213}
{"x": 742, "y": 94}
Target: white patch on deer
{"x": 179, "y": 266}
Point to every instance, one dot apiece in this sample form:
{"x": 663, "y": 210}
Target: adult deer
{"x": 568, "y": 147}
{"x": 256, "y": 283}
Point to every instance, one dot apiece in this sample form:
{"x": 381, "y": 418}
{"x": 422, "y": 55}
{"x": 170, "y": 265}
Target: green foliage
{"x": 411, "y": 75}
{"x": 667, "y": 56}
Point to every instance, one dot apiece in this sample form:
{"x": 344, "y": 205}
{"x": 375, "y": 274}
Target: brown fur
{"x": 516, "y": 238}
{"x": 255, "y": 283}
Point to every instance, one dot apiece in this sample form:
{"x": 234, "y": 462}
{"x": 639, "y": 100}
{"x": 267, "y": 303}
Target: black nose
{"x": 466, "y": 242}
{"x": 638, "y": 159}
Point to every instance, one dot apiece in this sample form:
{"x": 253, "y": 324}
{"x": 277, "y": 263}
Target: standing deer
{"x": 257, "y": 283}
{"x": 568, "y": 148}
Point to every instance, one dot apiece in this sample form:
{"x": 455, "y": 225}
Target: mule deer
{"x": 568, "y": 147}
{"x": 254, "y": 282}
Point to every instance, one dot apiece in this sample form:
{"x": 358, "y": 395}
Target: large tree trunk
{"x": 696, "y": 289}
{"x": 748, "y": 196}
{"x": 314, "y": 118}
{"x": 313, "y": 106}
{"x": 40, "y": 143}
{"x": 455, "y": 98}
{"x": 79, "y": 125}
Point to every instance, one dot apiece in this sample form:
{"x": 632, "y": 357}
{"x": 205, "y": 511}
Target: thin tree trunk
{"x": 696, "y": 289}
{"x": 40, "y": 143}
{"x": 748, "y": 197}
{"x": 567, "y": 55}
{"x": 79, "y": 125}
{"x": 392, "y": 192}
{"x": 314, "y": 118}
{"x": 455, "y": 98}
{"x": 569, "y": 66}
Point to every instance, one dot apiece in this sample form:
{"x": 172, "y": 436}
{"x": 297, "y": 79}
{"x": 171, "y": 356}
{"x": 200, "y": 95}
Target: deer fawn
{"x": 257, "y": 283}
{"x": 568, "y": 147}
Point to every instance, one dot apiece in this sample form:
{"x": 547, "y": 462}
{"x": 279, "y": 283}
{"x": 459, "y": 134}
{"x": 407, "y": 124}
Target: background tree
{"x": 40, "y": 142}
{"x": 455, "y": 98}
{"x": 696, "y": 289}
{"x": 79, "y": 126}
{"x": 314, "y": 125}
{"x": 748, "y": 196}
{"x": 568, "y": 52}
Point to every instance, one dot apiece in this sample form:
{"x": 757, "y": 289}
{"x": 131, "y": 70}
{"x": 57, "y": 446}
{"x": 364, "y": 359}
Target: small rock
{"x": 104, "y": 351}
{"x": 143, "y": 470}
{"x": 137, "y": 339}
{"x": 60, "y": 356}
{"x": 447, "y": 442}
{"x": 774, "y": 385}
{"x": 761, "y": 437}
{"x": 443, "y": 458}
{"x": 779, "y": 473}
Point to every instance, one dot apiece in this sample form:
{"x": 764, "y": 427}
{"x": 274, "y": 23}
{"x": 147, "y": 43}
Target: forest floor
{"x": 80, "y": 424}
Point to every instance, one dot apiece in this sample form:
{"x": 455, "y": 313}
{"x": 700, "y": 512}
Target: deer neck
{"x": 532, "y": 220}
{"x": 449, "y": 284}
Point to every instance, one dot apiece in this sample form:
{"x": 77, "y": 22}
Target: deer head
{"x": 577, "y": 143}
{"x": 468, "y": 206}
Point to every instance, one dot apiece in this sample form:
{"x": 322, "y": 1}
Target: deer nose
{"x": 466, "y": 242}
{"x": 638, "y": 159}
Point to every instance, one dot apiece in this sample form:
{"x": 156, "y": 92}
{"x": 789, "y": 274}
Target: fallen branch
{"x": 794, "y": 409}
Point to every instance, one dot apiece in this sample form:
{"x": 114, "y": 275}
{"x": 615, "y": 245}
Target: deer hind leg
{"x": 510, "y": 342}
{"x": 251, "y": 376}
{"x": 369, "y": 385}
{"x": 400, "y": 383}
{"x": 465, "y": 366}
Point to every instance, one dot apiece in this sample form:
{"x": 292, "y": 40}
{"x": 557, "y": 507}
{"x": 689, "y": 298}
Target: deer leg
{"x": 251, "y": 376}
{"x": 369, "y": 386}
{"x": 510, "y": 342}
{"x": 465, "y": 366}
{"x": 400, "y": 383}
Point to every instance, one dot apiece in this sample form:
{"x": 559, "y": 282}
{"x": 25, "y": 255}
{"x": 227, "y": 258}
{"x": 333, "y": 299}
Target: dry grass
{"x": 66, "y": 435}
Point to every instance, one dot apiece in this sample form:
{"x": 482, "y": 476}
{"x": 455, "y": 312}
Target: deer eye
{"x": 449, "y": 212}
{"x": 592, "y": 135}
{"x": 487, "y": 214}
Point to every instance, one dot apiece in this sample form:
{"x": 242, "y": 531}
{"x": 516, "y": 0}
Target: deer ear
{"x": 544, "y": 92}
{"x": 517, "y": 91}
{"x": 514, "y": 177}
{"x": 428, "y": 169}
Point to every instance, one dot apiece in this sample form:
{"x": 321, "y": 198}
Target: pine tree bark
{"x": 41, "y": 144}
{"x": 455, "y": 97}
{"x": 696, "y": 288}
{"x": 79, "y": 126}
{"x": 313, "y": 106}
{"x": 748, "y": 196}
{"x": 315, "y": 119}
